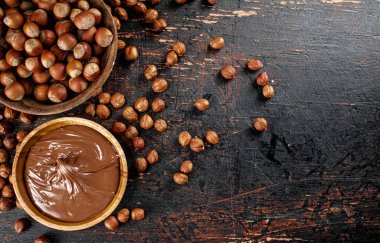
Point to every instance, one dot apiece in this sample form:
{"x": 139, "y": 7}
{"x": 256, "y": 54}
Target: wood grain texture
{"x": 314, "y": 176}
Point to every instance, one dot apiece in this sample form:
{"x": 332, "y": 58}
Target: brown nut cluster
{"x": 50, "y": 43}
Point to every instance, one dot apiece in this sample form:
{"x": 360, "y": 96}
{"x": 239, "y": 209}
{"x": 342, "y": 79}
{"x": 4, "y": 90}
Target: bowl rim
{"x": 30, "y": 106}
{"x": 36, "y": 213}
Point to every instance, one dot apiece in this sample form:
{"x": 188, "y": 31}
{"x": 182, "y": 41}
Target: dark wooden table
{"x": 314, "y": 176}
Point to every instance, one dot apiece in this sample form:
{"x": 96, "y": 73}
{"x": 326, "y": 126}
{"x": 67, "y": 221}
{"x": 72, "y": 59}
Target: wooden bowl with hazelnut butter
{"x": 57, "y": 55}
{"x": 70, "y": 173}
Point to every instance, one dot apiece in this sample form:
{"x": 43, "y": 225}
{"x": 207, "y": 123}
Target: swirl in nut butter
{"x": 72, "y": 173}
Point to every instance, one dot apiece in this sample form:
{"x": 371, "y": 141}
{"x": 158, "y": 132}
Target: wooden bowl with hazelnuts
{"x": 55, "y": 54}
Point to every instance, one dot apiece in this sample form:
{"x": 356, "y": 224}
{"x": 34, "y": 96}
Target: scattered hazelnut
{"x": 123, "y": 215}
{"x": 131, "y": 53}
{"x": 180, "y": 178}
{"x": 262, "y": 79}
{"x": 137, "y": 142}
{"x": 9, "y": 113}
{"x": 4, "y": 156}
{"x": 25, "y": 118}
{"x": 121, "y": 13}
{"x": 212, "y": 137}
{"x": 141, "y": 165}
{"x": 104, "y": 98}
{"x": 152, "y": 157}
{"x": 8, "y": 191}
{"x": 159, "y": 25}
{"x": 212, "y": 2}
{"x": 171, "y": 58}
{"x": 130, "y": 114}
{"x": 202, "y": 104}
{"x": 131, "y": 132}
{"x": 42, "y": 239}
{"x": 102, "y": 111}
{"x": 160, "y": 125}
{"x": 121, "y": 44}
{"x": 9, "y": 142}
{"x": 179, "y": 48}
{"x": 159, "y": 85}
{"x": 111, "y": 223}
{"x": 146, "y": 122}
{"x": 118, "y": 127}
{"x": 217, "y": 43}
{"x": 6, "y": 204}
{"x": 137, "y": 214}
{"x": 197, "y": 145}
{"x": 117, "y": 100}
{"x": 57, "y": 93}
{"x": 90, "y": 109}
{"x": 184, "y": 138}
{"x": 260, "y": 124}
{"x": 150, "y": 72}
{"x": 254, "y": 65}
{"x": 6, "y": 127}
{"x": 20, "y": 135}
{"x": 21, "y": 224}
{"x": 158, "y": 105}
{"x": 5, "y": 170}
{"x": 140, "y": 8}
{"x": 228, "y": 72}
{"x": 150, "y": 15}
{"x": 268, "y": 91}
{"x": 186, "y": 167}
{"x": 142, "y": 104}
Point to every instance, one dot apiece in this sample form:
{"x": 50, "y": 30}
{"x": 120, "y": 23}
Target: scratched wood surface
{"x": 314, "y": 176}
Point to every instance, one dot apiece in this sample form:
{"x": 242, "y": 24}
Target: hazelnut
{"x": 66, "y": 42}
{"x": 5, "y": 170}
{"x": 94, "y": 60}
{"x": 83, "y": 5}
{"x": 123, "y": 215}
{"x": 121, "y": 44}
{"x": 33, "y": 64}
{"x": 98, "y": 50}
{"x": 26, "y": 118}
{"x": 104, "y": 98}
{"x": 91, "y": 71}
{"x": 14, "y": 91}
{"x": 42, "y": 239}
{"x": 142, "y": 104}
{"x": 202, "y": 104}
{"x": 40, "y": 17}
{"x": 6, "y": 127}
{"x": 74, "y": 13}
{"x": 115, "y": 3}
{"x": 179, "y": 48}
{"x": 217, "y": 43}
{"x": 117, "y": 23}
{"x": 180, "y": 178}
{"x": 65, "y": 26}
{"x": 9, "y": 113}
{"x": 186, "y": 167}
{"x": 228, "y": 72}
{"x": 137, "y": 214}
{"x": 260, "y": 124}
{"x": 154, "y": 2}
{"x": 254, "y": 65}
{"x": 139, "y": 8}
{"x": 4, "y": 156}
{"x": 41, "y": 92}
{"x": 197, "y": 145}
{"x": 20, "y": 135}
{"x": 130, "y": 114}
{"x": 130, "y": 3}
{"x": 61, "y": 10}
{"x": 118, "y": 127}
{"x": 212, "y": 137}
{"x": 7, "y": 78}
{"x": 33, "y": 47}
{"x": 14, "y": 20}
{"x": 90, "y": 109}
{"x": 160, "y": 125}
{"x": 74, "y": 68}
{"x": 78, "y": 84}
{"x": 82, "y": 51}
{"x": 131, "y": 132}
{"x": 268, "y": 91}
{"x": 8, "y": 191}
{"x": 17, "y": 40}
{"x": 28, "y": 86}
{"x": 121, "y": 13}
{"x": 21, "y": 224}
{"x": 9, "y": 142}
{"x": 262, "y": 79}
{"x": 137, "y": 142}
{"x": 14, "y": 58}
{"x": 141, "y": 165}
{"x": 158, "y": 105}
{"x": 98, "y": 15}
{"x": 171, "y": 58}
{"x": 159, "y": 25}
{"x": 4, "y": 66}
{"x": 146, "y": 122}
{"x": 6, "y": 204}
{"x": 103, "y": 37}
{"x": 87, "y": 35}
{"x": 59, "y": 54}
{"x": 150, "y": 72}
{"x": 184, "y": 138}
{"x": 180, "y": 2}
{"x": 150, "y": 15}
{"x": 47, "y": 37}
{"x": 57, "y": 93}
{"x": 212, "y": 2}
{"x": 117, "y": 100}
{"x": 41, "y": 77}
{"x": 152, "y": 157}
{"x": 131, "y": 53}
{"x": 111, "y": 223}
{"x": 58, "y": 71}
{"x": 84, "y": 20}
{"x": 102, "y": 111}
{"x": 159, "y": 85}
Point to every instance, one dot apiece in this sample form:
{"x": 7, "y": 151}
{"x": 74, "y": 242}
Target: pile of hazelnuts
{"x": 49, "y": 49}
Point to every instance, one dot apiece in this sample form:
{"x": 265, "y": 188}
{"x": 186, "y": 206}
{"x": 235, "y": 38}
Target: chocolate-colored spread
{"x": 72, "y": 173}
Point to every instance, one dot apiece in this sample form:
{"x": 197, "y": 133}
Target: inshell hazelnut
{"x": 82, "y": 51}
{"x": 28, "y": 86}
{"x": 179, "y": 48}
{"x": 57, "y": 93}
{"x": 158, "y": 105}
{"x": 102, "y": 111}
{"x": 138, "y": 144}
{"x": 87, "y": 35}
{"x": 150, "y": 72}
{"x": 40, "y": 17}
{"x": 260, "y": 124}
{"x": 131, "y": 53}
{"x": 130, "y": 3}
{"x": 14, "y": 20}
{"x": 66, "y": 42}
{"x": 212, "y": 2}
{"x": 8, "y": 191}
{"x": 152, "y": 157}
{"x": 6, "y": 204}
{"x": 58, "y": 71}
{"x": 91, "y": 71}
{"x": 83, "y": 5}
{"x": 78, "y": 84}
{"x": 130, "y": 114}
{"x": 184, "y": 138}
{"x": 14, "y": 91}
{"x": 6, "y": 127}
{"x": 159, "y": 85}
{"x": 180, "y": 178}
{"x": 9, "y": 113}
{"x": 262, "y": 79}
{"x": 42, "y": 239}
{"x": 131, "y": 132}
{"x": 9, "y": 142}
{"x": 160, "y": 125}
{"x": 254, "y": 65}
{"x": 202, "y": 104}
{"x": 97, "y": 14}
{"x": 212, "y": 137}
{"x": 8, "y": 77}
{"x": 123, "y": 215}
{"x": 74, "y": 68}
{"x": 117, "y": 100}
{"x": 26, "y": 118}
{"x": 103, "y": 37}
{"x": 217, "y": 43}
{"x": 21, "y": 224}
{"x": 47, "y": 37}
{"x": 14, "y": 58}
{"x": 84, "y": 20}
{"x": 150, "y": 15}
{"x": 197, "y": 145}
{"x": 20, "y": 135}
{"x": 171, "y": 58}
{"x": 41, "y": 77}
{"x": 121, "y": 45}
{"x": 41, "y": 92}
{"x": 146, "y": 122}
{"x": 61, "y": 10}
{"x": 5, "y": 170}
{"x": 111, "y": 223}
{"x": 141, "y": 165}
{"x": 137, "y": 214}
{"x": 142, "y": 104}
{"x": 228, "y": 72}
{"x": 186, "y": 167}
{"x": 90, "y": 109}
{"x": 118, "y": 127}
{"x": 104, "y": 98}
{"x": 33, "y": 47}
{"x": 121, "y": 13}
{"x": 159, "y": 25}
{"x": 268, "y": 91}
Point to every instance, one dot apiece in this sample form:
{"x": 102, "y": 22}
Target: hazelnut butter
{"x": 72, "y": 173}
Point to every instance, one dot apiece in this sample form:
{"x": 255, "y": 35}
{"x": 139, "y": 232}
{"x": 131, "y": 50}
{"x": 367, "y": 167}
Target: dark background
{"x": 314, "y": 176}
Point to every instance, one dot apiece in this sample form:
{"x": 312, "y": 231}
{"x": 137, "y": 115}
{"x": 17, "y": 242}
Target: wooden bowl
{"x": 31, "y": 106}
{"x": 18, "y": 172}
